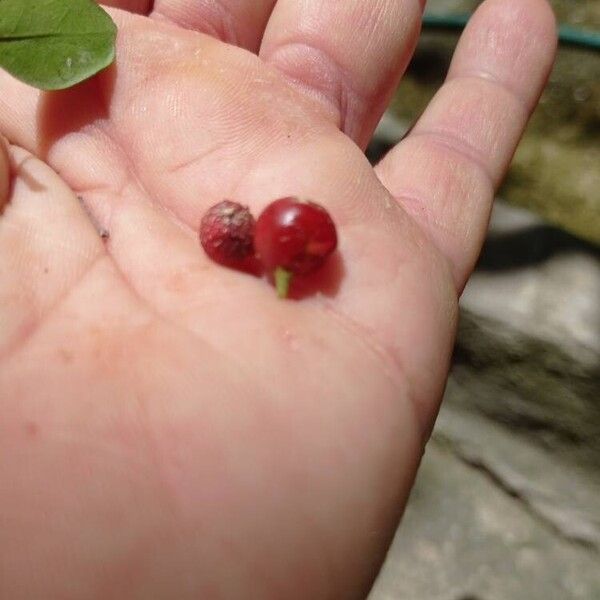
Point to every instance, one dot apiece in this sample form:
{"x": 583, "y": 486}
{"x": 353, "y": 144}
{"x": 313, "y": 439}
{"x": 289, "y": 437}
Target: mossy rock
{"x": 556, "y": 170}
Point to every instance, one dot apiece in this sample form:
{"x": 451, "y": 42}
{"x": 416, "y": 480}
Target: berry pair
{"x": 290, "y": 238}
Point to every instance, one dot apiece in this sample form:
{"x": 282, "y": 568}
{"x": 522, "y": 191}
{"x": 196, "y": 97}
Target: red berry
{"x": 293, "y": 238}
{"x": 227, "y": 233}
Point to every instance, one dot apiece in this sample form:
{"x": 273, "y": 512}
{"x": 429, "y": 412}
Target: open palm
{"x": 169, "y": 428}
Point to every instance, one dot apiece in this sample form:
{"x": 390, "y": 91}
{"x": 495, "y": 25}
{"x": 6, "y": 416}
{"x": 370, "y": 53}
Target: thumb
{"x": 4, "y": 173}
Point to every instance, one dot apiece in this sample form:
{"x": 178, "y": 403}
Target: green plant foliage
{"x": 55, "y": 44}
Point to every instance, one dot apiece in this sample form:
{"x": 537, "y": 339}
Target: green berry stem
{"x": 283, "y": 279}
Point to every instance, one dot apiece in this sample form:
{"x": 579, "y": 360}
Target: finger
{"x": 445, "y": 172}
{"x": 348, "y": 55}
{"x": 47, "y": 244}
{"x": 18, "y": 103}
{"x": 4, "y": 174}
{"x": 136, "y": 6}
{"x": 236, "y": 22}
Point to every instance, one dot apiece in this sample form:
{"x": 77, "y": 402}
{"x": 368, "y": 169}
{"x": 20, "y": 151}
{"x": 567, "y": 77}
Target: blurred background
{"x": 507, "y": 501}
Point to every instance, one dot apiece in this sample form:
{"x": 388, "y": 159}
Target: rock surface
{"x": 464, "y": 538}
{"x": 506, "y": 504}
{"x": 529, "y": 339}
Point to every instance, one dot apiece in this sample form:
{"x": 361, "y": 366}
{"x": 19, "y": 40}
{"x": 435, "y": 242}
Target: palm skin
{"x": 173, "y": 430}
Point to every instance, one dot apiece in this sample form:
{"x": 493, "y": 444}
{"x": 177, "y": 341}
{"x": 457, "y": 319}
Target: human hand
{"x": 169, "y": 428}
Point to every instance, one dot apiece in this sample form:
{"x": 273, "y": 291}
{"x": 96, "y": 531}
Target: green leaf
{"x": 55, "y": 44}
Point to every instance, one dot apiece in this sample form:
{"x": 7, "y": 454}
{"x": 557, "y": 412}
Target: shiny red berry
{"x": 293, "y": 238}
{"x": 227, "y": 233}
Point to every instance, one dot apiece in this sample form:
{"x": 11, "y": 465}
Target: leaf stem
{"x": 283, "y": 279}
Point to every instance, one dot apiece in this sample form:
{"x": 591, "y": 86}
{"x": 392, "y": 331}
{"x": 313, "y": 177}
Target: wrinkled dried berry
{"x": 227, "y": 233}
